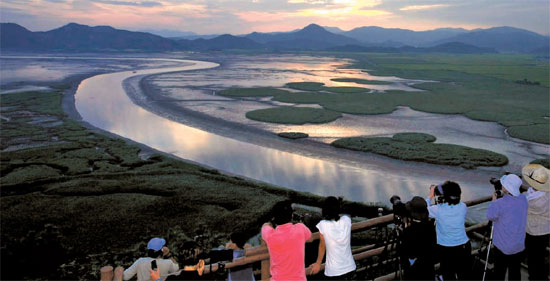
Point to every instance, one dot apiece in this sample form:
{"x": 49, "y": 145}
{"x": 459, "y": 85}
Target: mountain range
{"x": 77, "y": 37}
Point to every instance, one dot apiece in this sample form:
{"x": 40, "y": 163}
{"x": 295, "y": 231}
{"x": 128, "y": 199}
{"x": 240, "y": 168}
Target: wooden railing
{"x": 261, "y": 253}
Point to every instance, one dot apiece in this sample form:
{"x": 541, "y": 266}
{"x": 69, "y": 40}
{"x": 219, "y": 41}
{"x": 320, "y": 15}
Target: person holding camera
{"x": 157, "y": 254}
{"x": 509, "y": 217}
{"x": 419, "y": 241}
{"x": 453, "y": 244}
{"x": 538, "y": 220}
{"x": 335, "y": 235}
{"x": 286, "y": 244}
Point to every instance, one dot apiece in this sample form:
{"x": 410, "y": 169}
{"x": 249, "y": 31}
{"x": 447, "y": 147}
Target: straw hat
{"x": 537, "y": 176}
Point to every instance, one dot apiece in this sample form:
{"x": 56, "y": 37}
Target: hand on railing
{"x": 313, "y": 269}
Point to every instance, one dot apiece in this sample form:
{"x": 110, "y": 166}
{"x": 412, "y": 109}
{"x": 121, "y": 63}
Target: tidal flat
{"x": 76, "y": 172}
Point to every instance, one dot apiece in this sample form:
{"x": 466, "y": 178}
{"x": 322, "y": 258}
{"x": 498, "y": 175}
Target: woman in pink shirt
{"x": 286, "y": 244}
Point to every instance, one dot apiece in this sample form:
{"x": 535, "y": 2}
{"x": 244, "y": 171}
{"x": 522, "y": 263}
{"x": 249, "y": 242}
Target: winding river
{"x": 102, "y": 101}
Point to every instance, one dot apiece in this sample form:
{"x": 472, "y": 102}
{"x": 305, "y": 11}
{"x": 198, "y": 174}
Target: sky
{"x": 245, "y": 16}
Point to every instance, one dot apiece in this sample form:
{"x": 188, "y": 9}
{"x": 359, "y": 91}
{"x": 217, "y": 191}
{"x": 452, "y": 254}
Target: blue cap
{"x": 156, "y": 244}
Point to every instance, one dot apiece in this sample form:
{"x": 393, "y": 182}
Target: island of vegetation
{"x": 421, "y": 148}
{"x": 361, "y": 81}
{"x": 293, "y": 115}
{"x": 293, "y": 135}
{"x": 95, "y": 200}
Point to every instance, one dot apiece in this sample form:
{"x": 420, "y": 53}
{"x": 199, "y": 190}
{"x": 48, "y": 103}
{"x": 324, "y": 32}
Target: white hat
{"x": 512, "y": 183}
{"x": 537, "y": 176}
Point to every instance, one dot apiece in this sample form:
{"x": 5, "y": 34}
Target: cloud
{"x": 130, "y": 3}
{"x": 423, "y": 7}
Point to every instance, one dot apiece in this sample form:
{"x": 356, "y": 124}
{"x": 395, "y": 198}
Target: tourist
{"x": 286, "y": 244}
{"x": 538, "y": 220}
{"x": 238, "y": 245}
{"x": 419, "y": 242}
{"x": 335, "y": 238}
{"x": 453, "y": 244}
{"x": 156, "y": 251}
{"x": 509, "y": 217}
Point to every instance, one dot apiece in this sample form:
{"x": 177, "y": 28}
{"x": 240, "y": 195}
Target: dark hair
{"x": 451, "y": 192}
{"x": 282, "y": 212}
{"x": 154, "y": 254}
{"x": 239, "y": 239}
{"x": 331, "y": 208}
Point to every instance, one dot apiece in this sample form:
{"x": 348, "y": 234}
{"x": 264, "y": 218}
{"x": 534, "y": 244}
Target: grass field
{"x": 421, "y": 148}
{"x": 93, "y": 201}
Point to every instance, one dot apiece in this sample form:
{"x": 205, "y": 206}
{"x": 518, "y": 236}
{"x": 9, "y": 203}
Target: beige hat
{"x": 537, "y": 176}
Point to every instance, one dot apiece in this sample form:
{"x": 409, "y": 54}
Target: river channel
{"x": 102, "y": 101}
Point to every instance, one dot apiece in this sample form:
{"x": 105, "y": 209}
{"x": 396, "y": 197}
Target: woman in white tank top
{"x": 335, "y": 235}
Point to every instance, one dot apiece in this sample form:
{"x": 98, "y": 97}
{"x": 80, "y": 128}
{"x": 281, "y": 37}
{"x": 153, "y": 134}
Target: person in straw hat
{"x": 538, "y": 219}
{"x": 509, "y": 217}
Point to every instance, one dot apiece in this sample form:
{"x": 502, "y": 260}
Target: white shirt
{"x": 337, "y": 236}
{"x": 142, "y": 266}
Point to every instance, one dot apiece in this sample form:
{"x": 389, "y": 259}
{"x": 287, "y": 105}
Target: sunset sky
{"x": 244, "y": 16}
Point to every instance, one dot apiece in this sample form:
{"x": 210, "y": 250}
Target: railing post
{"x": 265, "y": 267}
{"x": 106, "y": 273}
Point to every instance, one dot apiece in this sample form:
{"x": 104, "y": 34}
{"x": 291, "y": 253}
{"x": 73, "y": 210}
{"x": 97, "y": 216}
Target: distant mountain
{"x": 222, "y": 42}
{"x": 503, "y": 39}
{"x": 375, "y": 34}
{"x": 333, "y": 29}
{"x": 169, "y": 33}
{"x": 77, "y": 37}
{"x": 452, "y": 48}
{"x": 14, "y": 36}
{"x": 83, "y": 38}
{"x": 311, "y": 37}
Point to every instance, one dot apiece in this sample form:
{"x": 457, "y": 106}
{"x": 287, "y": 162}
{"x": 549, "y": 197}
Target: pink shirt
{"x": 286, "y": 245}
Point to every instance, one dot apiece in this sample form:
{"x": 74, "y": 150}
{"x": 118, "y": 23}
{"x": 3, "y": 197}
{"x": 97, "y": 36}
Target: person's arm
{"x": 130, "y": 271}
{"x": 316, "y": 267}
{"x": 493, "y": 210}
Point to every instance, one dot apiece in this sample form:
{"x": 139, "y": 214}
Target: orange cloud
{"x": 423, "y": 7}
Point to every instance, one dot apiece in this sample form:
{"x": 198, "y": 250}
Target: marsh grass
{"x": 293, "y": 135}
{"x": 361, "y": 81}
{"x": 306, "y": 86}
{"x": 420, "y": 147}
{"x": 250, "y": 92}
{"x": 293, "y": 115}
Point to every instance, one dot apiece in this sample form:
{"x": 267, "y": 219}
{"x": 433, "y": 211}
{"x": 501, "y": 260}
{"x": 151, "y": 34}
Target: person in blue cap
{"x": 156, "y": 251}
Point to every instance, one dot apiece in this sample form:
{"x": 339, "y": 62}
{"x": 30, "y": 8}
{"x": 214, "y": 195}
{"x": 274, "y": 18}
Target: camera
{"x": 399, "y": 209}
{"x": 498, "y": 187}
{"x": 438, "y": 193}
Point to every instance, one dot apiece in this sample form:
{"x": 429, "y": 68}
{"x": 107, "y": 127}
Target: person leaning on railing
{"x": 538, "y": 220}
{"x": 155, "y": 251}
{"x": 335, "y": 235}
{"x": 453, "y": 245}
{"x": 419, "y": 241}
{"x": 509, "y": 217}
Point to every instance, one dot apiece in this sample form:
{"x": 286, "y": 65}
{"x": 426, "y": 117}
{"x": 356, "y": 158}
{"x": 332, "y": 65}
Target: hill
{"x": 503, "y": 39}
{"x": 451, "y": 47}
{"x": 311, "y": 37}
{"x": 378, "y": 35}
{"x": 77, "y": 37}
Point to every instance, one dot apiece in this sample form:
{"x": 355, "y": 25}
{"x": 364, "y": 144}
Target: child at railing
{"x": 238, "y": 244}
